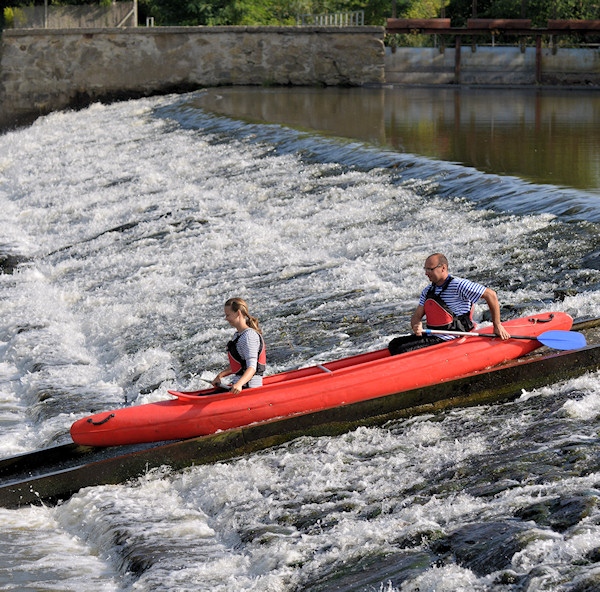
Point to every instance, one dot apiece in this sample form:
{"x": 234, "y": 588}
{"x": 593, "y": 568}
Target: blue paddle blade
{"x": 562, "y": 339}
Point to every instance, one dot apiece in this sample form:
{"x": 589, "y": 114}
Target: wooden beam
{"x": 492, "y": 26}
{"x": 538, "y": 59}
{"x": 499, "y": 24}
{"x": 417, "y": 24}
{"x": 457, "y": 45}
{"x": 574, "y": 25}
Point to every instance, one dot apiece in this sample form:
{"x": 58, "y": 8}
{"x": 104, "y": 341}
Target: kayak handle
{"x": 90, "y": 420}
{"x": 534, "y": 320}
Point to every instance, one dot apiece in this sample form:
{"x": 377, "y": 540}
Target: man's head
{"x": 436, "y": 268}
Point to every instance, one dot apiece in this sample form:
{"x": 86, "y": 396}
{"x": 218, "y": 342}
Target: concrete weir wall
{"x": 492, "y": 65}
{"x": 43, "y": 70}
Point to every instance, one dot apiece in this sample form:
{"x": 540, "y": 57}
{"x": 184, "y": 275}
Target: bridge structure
{"x": 481, "y": 27}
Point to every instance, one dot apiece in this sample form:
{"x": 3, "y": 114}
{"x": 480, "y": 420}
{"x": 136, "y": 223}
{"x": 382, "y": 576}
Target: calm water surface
{"x": 544, "y": 136}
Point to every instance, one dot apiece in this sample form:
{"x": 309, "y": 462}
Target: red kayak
{"x": 333, "y": 384}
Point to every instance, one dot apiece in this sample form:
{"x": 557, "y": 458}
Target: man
{"x": 447, "y": 305}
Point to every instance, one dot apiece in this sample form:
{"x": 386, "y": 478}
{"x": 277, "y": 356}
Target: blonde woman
{"x": 247, "y": 357}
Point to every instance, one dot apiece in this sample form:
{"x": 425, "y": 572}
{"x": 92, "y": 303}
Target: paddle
{"x": 553, "y": 339}
{"x": 214, "y": 391}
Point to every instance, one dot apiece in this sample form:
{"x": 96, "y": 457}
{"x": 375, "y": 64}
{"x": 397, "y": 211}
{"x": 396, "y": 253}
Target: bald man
{"x": 447, "y": 303}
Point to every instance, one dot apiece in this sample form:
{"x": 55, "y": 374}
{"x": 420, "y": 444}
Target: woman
{"x": 247, "y": 357}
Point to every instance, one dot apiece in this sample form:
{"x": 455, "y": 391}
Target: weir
{"x": 45, "y": 70}
{"x": 498, "y": 65}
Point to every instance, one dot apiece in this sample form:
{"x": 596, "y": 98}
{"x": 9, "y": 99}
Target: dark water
{"x": 543, "y": 136}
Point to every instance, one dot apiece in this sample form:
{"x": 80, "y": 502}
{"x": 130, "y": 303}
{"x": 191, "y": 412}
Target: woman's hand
{"x": 236, "y": 389}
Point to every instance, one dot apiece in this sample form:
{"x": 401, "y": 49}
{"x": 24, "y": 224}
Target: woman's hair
{"x": 238, "y": 304}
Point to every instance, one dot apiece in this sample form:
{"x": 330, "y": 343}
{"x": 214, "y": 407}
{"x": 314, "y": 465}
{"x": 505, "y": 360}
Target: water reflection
{"x": 542, "y": 135}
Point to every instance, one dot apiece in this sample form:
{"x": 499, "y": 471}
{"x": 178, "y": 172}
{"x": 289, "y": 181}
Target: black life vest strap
{"x": 232, "y": 349}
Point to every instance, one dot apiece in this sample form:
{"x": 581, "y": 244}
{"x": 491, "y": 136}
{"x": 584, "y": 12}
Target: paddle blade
{"x": 562, "y": 339}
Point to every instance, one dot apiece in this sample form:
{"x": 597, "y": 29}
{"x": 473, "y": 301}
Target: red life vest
{"x": 238, "y": 365}
{"x": 440, "y": 317}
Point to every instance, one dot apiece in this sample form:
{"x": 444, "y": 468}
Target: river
{"x": 126, "y": 226}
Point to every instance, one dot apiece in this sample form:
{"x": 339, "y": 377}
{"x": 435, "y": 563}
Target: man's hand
{"x": 501, "y": 332}
{"x": 417, "y": 328}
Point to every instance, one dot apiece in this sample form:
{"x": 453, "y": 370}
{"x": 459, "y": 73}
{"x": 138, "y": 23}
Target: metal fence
{"x": 336, "y": 19}
{"x": 117, "y": 14}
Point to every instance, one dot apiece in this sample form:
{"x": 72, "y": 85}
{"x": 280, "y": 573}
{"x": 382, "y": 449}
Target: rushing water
{"x": 130, "y": 224}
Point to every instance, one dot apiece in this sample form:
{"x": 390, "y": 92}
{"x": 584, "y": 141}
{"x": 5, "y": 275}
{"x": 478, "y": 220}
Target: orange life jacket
{"x": 440, "y": 317}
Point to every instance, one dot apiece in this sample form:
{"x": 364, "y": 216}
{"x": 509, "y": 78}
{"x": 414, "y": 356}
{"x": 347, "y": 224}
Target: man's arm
{"x": 415, "y": 320}
{"x": 492, "y": 301}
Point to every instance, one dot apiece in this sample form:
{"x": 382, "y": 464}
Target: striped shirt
{"x": 248, "y": 346}
{"x": 460, "y": 295}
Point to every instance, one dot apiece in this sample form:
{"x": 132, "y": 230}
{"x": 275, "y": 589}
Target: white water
{"x": 136, "y": 229}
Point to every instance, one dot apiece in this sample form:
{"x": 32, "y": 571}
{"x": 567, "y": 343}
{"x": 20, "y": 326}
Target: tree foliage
{"x": 539, "y": 11}
{"x": 285, "y": 12}
{"x": 255, "y": 12}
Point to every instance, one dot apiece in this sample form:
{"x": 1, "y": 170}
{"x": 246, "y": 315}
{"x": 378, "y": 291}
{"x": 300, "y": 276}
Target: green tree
{"x": 376, "y": 11}
{"x": 539, "y": 11}
{"x": 255, "y": 12}
{"x": 285, "y": 12}
{"x": 423, "y": 8}
{"x": 417, "y": 9}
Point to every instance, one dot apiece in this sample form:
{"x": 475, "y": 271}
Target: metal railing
{"x": 117, "y": 14}
{"x": 335, "y": 19}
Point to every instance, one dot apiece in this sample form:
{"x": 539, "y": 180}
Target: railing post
{"x": 457, "y": 60}
{"x": 538, "y": 59}
{"x": 337, "y": 19}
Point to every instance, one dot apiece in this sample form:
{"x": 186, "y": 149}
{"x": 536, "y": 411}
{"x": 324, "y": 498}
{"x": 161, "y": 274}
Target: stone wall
{"x": 47, "y": 70}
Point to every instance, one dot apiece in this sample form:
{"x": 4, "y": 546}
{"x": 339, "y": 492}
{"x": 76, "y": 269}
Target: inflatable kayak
{"x": 333, "y": 384}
